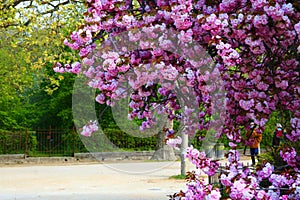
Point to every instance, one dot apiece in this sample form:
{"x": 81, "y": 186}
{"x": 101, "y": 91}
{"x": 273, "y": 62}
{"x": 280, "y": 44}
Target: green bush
{"x": 32, "y": 142}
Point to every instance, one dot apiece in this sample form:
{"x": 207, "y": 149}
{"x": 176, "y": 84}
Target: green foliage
{"x": 55, "y": 108}
{"x": 117, "y": 136}
{"x": 269, "y": 129}
{"x": 282, "y": 117}
{"x": 7, "y": 121}
{"x": 31, "y": 41}
{"x": 272, "y": 156}
{"x": 32, "y": 143}
{"x": 40, "y": 28}
{"x": 55, "y": 142}
{"x": 129, "y": 142}
{"x": 67, "y": 142}
{"x": 71, "y": 143}
{"x": 195, "y": 141}
{"x": 13, "y": 82}
{"x": 224, "y": 194}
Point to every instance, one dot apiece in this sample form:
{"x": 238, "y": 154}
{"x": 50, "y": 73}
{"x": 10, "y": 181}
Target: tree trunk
{"x": 163, "y": 151}
{"x": 184, "y": 145}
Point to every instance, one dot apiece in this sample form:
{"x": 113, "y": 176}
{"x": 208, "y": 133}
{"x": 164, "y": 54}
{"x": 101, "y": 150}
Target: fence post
{"x": 26, "y": 144}
{"x": 49, "y": 141}
{"x": 5, "y": 143}
{"x": 73, "y": 141}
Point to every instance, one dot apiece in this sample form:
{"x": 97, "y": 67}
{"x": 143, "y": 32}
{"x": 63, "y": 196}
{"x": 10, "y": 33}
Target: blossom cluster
{"x": 89, "y": 128}
{"x": 290, "y": 156}
{"x": 174, "y": 142}
{"x": 199, "y": 159}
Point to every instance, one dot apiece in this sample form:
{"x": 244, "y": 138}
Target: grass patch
{"x": 177, "y": 177}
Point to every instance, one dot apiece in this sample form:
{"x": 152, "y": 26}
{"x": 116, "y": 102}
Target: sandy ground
{"x": 131, "y": 180}
{"x": 122, "y": 181}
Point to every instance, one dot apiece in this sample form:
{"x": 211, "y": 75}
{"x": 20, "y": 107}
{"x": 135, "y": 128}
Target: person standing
{"x": 277, "y": 136}
{"x": 254, "y": 138}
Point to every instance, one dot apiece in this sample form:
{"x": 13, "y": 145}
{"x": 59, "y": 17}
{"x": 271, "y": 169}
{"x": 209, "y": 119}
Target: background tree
{"x": 39, "y": 27}
{"x": 31, "y": 42}
{"x": 15, "y": 80}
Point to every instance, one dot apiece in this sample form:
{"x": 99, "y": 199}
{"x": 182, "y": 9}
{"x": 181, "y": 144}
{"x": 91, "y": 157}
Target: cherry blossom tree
{"x": 253, "y": 66}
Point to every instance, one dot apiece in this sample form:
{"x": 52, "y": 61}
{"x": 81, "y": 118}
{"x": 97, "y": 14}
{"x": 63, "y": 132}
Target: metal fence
{"x": 58, "y": 142}
{"x": 13, "y": 142}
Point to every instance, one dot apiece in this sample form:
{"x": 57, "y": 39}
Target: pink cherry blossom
{"x": 88, "y": 129}
{"x": 155, "y": 51}
{"x": 266, "y": 171}
{"x": 174, "y": 142}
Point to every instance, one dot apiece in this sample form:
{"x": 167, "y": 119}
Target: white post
{"x": 184, "y": 145}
